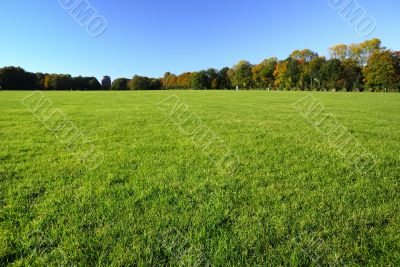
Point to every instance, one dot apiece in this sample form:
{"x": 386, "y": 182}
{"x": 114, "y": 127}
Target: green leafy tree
{"x": 94, "y": 84}
{"x": 242, "y": 75}
{"x": 138, "y": 83}
{"x": 144, "y": 83}
{"x": 120, "y": 84}
{"x": 352, "y": 75}
{"x": 213, "y": 78}
{"x": 15, "y": 78}
{"x": 293, "y": 74}
{"x": 299, "y": 68}
{"x": 287, "y": 74}
{"x": 155, "y": 84}
{"x": 267, "y": 72}
{"x": 332, "y": 72}
{"x": 200, "y": 80}
{"x": 224, "y": 80}
{"x": 40, "y": 77}
{"x": 58, "y": 82}
{"x": 315, "y": 73}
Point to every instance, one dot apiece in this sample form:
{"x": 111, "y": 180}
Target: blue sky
{"x": 150, "y": 37}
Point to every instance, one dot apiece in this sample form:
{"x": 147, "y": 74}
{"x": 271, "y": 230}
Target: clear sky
{"x": 150, "y": 37}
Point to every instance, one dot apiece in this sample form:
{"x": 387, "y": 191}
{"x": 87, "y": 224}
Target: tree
{"x": 224, "y": 80}
{"x": 40, "y": 77}
{"x": 287, "y": 74}
{"x": 382, "y": 71}
{"x": 155, "y": 84}
{"x": 315, "y": 71}
{"x": 94, "y": 84}
{"x": 352, "y": 75}
{"x": 85, "y": 83}
{"x": 257, "y": 78}
{"x": 48, "y": 82}
{"x": 213, "y": 79}
{"x": 361, "y": 52}
{"x": 144, "y": 83}
{"x": 293, "y": 74}
{"x": 184, "y": 81}
{"x": 305, "y": 55}
{"x": 139, "y": 83}
{"x": 120, "y": 84}
{"x": 79, "y": 83}
{"x": 340, "y": 52}
{"x": 170, "y": 81}
{"x": 243, "y": 76}
{"x": 58, "y": 82}
{"x": 15, "y": 78}
{"x": 397, "y": 54}
{"x": 267, "y": 72}
{"x": 332, "y": 72}
{"x": 280, "y": 73}
{"x": 200, "y": 80}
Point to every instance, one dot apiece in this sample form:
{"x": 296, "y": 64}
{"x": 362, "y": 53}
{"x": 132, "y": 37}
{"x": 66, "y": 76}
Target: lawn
{"x": 153, "y": 195}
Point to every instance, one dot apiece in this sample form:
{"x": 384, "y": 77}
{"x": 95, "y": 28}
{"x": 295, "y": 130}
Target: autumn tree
{"x": 184, "y": 81}
{"x": 340, "y": 52}
{"x": 305, "y": 55}
{"x": 280, "y": 73}
{"x": 362, "y": 51}
{"x": 170, "y": 81}
{"x": 257, "y": 78}
{"x": 359, "y": 53}
{"x": 299, "y": 68}
{"x": 382, "y": 71}
{"x": 263, "y": 73}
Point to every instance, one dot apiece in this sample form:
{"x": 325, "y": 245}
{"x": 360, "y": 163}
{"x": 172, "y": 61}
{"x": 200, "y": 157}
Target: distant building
{"x": 106, "y": 83}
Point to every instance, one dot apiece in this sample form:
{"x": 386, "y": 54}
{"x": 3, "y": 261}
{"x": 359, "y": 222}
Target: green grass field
{"x": 157, "y": 199}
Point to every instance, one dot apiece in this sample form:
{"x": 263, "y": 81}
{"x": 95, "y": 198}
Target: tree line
{"x": 15, "y": 78}
{"x": 366, "y": 66}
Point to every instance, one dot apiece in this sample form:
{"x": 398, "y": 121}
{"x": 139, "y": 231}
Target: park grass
{"x": 157, "y": 199}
